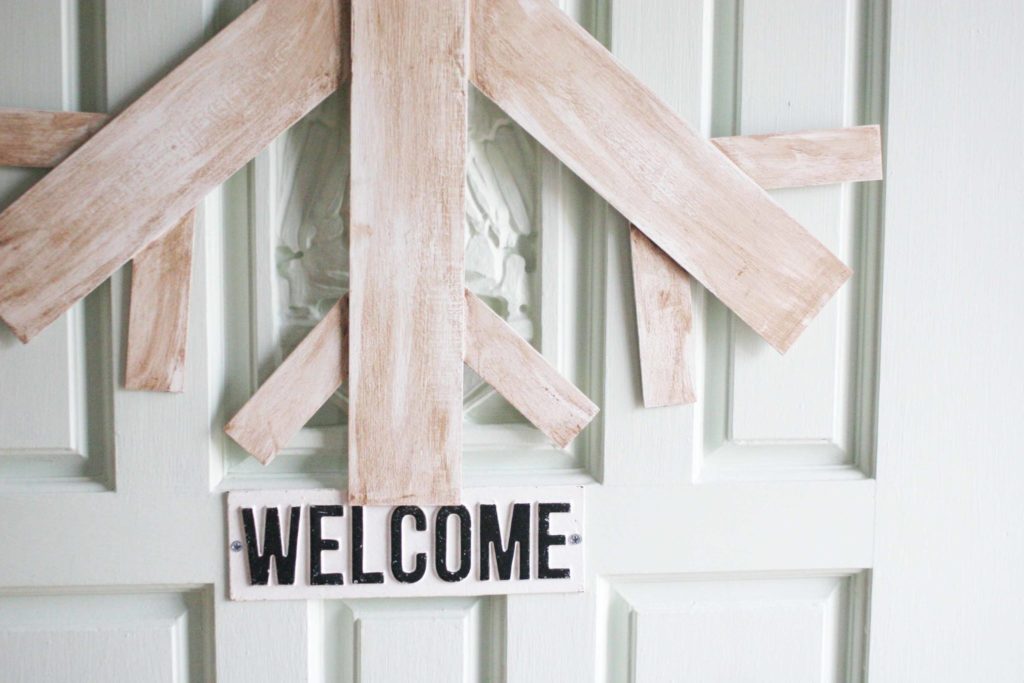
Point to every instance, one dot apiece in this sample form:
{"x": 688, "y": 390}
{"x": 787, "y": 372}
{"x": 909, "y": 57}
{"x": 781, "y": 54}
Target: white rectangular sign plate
{"x": 310, "y": 544}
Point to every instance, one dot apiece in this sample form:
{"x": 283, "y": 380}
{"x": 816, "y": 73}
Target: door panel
{"x": 733, "y": 540}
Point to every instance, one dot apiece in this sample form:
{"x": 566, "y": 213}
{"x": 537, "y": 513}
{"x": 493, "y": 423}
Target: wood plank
{"x": 565, "y": 89}
{"x": 664, "y": 320}
{"x": 662, "y": 289}
{"x": 520, "y": 373}
{"x": 297, "y": 389}
{"x": 139, "y": 175}
{"x": 495, "y": 351}
{"x": 409, "y": 111}
{"x": 33, "y": 138}
{"x": 158, "y": 312}
{"x": 161, "y": 273}
{"x": 807, "y": 158}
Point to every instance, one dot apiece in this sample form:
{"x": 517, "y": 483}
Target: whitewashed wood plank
{"x": 530, "y": 59}
{"x": 34, "y": 138}
{"x": 190, "y": 131}
{"x": 161, "y": 273}
{"x": 297, "y": 389}
{"x": 519, "y": 372}
{"x": 807, "y": 158}
{"x": 409, "y": 113}
{"x": 664, "y": 317}
{"x": 158, "y": 312}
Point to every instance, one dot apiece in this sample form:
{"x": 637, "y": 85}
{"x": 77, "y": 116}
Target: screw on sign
{"x": 708, "y": 218}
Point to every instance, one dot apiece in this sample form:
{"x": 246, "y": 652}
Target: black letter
{"x": 545, "y": 540}
{"x": 358, "y": 575}
{"x": 259, "y": 565}
{"x": 318, "y": 543}
{"x": 397, "y": 515}
{"x": 441, "y": 542}
{"x": 490, "y": 535}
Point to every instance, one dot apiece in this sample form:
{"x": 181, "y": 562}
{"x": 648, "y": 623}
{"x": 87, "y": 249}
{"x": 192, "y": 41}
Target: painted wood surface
{"x": 189, "y": 132}
{"x": 620, "y": 139}
{"x": 947, "y": 596}
{"x": 158, "y": 311}
{"x": 664, "y": 320}
{"x": 495, "y": 351}
{"x": 519, "y": 373}
{"x": 296, "y": 390}
{"x": 407, "y": 206}
{"x": 662, "y": 289}
{"x": 34, "y": 138}
{"x": 807, "y": 158}
{"x": 161, "y": 272}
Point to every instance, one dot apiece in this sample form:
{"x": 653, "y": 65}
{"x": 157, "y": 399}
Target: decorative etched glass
{"x": 501, "y": 235}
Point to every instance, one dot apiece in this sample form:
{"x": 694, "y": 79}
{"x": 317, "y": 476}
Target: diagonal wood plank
{"x": 33, "y": 138}
{"x": 807, "y": 158}
{"x": 662, "y": 289}
{"x": 318, "y": 366}
{"x": 158, "y": 311}
{"x": 565, "y": 89}
{"x": 409, "y": 99}
{"x": 297, "y": 388}
{"x": 518, "y": 372}
{"x": 161, "y": 273}
{"x": 139, "y": 175}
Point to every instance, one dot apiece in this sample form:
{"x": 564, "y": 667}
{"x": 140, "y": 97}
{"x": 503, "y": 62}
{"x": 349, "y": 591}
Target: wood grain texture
{"x": 297, "y": 388}
{"x": 520, "y": 373}
{"x": 565, "y": 89}
{"x": 158, "y": 311}
{"x": 161, "y": 273}
{"x": 807, "y": 158}
{"x": 318, "y": 366}
{"x": 409, "y": 117}
{"x": 136, "y": 178}
{"x": 33, "y": 138}
{"x": 664, "y": 320}
{"x": 662, "y": 289}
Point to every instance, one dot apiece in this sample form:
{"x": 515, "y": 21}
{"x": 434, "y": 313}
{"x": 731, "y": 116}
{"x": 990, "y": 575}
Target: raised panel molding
{"x": 56, "y": 429}
{"x": 810, "y": 413}
{"x": 442, "y": 640}
{"x": 761, "y": 628}
{"x": 157, "y": 635}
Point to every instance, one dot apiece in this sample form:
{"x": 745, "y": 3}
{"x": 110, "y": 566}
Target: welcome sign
{"x": 310, "y": 544}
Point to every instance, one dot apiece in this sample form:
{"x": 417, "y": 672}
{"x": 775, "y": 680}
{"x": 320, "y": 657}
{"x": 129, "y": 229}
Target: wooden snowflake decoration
{"x": 127, "y": 188}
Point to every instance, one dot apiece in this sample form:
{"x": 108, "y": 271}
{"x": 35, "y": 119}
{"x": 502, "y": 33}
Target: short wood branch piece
{"x": 662, "y": 289}
{"x": 189, "y": 133}
{"x": 318, "y": 366}
{"x": 531, "y": 59}
{"x": 297, "y": 389}
{"x": 158, "y": 312}
{"x": 664, "y": 319}
{"x": 32, "y": 138}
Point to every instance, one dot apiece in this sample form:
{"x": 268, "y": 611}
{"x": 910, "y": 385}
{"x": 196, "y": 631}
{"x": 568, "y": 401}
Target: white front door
{"x": 848, "y": 511}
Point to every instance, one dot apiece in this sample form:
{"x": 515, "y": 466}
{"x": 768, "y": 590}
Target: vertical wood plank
{"x": 409, "y": 119}
{"x": 158, "y": 311}
{"x": 664, "y": 313}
